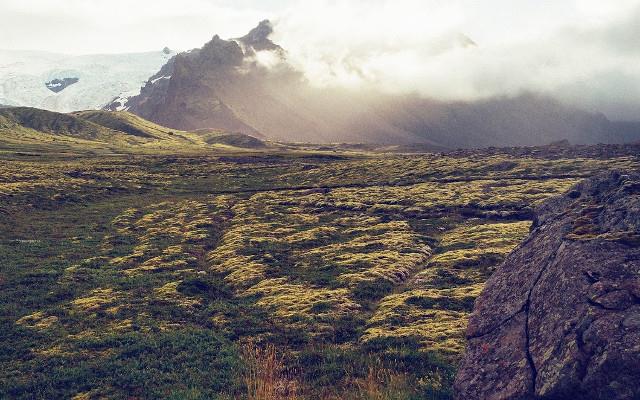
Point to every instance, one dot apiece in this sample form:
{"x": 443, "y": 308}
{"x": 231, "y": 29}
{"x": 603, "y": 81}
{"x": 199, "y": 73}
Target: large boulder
{"x": 560, "y": 319}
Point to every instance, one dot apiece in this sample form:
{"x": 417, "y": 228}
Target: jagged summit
{"x": 218, "y": 52}
{"x": 258, "y": 37}
{"x": 260, "y": 32}
{"x": 196, "y": 89}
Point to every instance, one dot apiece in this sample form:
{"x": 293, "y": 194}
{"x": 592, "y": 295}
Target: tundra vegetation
{"x": 275, "y": 272}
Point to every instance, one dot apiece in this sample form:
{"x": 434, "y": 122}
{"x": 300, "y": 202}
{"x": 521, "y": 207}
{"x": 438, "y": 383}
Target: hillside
{"x": 121, "y": 132}
{"x": 247, "y": 85}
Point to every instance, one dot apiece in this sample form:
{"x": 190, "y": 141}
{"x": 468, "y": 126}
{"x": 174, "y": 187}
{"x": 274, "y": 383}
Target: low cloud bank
{"x": 582, "y": 52}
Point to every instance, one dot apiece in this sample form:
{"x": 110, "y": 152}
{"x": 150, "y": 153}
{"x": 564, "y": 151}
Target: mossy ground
{"x": 141, "y": 276}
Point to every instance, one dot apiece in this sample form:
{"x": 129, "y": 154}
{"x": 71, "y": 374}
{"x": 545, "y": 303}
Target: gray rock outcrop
{"x": 560, "y": 319}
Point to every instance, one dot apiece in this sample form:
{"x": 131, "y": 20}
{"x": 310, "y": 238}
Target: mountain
{"x": 65, "y": 83}
{"x": 525, "y": 120}
{"x": 560, "y": 319}
{"x": 31, "y": 129}
{"x": 247, "y": 85}
{"x": 628, "y": 130}
{"x": 190, "y": 91}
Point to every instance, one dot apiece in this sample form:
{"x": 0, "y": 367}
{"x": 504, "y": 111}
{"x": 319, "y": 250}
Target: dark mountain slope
{"x": 526, "y": 120}
{"x": 629, "y": 131}
{"x": 224, "y": 85}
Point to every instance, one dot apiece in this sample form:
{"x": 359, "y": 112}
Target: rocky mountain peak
{"x": 219, "y": 52}
{"x": 560, "y": 319}
{"x": 258, "y": 37}
{"x": 260, "y": 33}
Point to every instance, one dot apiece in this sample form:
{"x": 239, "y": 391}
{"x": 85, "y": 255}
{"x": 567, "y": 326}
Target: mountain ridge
{"x": 227, "y": 85}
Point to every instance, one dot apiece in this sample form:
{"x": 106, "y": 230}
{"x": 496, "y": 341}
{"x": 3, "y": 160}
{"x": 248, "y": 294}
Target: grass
{"x": 266, "y": 376}
{"x": 252, "y": 273}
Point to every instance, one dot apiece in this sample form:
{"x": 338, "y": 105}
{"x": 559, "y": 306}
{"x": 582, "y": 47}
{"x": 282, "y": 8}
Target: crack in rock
{"x": 575, "y": 282}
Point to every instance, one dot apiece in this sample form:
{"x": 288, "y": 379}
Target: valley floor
{"x": 291, "y": 274}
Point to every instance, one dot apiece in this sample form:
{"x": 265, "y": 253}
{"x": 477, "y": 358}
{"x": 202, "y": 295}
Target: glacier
{"x": 101, "y": 78}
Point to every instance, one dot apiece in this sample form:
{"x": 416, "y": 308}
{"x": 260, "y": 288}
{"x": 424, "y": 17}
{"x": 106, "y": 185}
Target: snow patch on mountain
{"x": 101, "y": 78}
{"x": 120, "y": 102}
{"x": 157, "y": 79}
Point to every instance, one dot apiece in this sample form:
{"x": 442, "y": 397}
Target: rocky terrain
{"x": 560, "y": 319}
{"x": 248, "y": 85}
{"x": 142, "y": 261}
{"x": 383, "y": 200}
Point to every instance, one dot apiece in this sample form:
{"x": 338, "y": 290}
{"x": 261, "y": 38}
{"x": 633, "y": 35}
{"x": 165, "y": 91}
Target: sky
{"x": 584, "y": 52}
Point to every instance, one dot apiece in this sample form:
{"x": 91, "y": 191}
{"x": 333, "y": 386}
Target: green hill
{"x": 24, "y": 128}
{"x": 26, "y": 118}
{"x": 125, "y": 122}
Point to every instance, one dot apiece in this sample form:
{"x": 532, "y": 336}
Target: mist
{"x": 585, "y": 53}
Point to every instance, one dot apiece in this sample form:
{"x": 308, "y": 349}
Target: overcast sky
{"x": 586, "y": 52}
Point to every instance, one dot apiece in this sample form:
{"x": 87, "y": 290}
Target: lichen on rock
{"x": 561, "y": 317}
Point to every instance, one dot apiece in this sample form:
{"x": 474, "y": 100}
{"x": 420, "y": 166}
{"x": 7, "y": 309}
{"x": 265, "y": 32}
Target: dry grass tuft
{"x": 382, "y": 384}
{"x": 266, "y": 377}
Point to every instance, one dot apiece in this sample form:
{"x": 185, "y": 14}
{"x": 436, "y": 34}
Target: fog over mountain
{"x": 582, "y": 52}
{"x": 249, "y": 85}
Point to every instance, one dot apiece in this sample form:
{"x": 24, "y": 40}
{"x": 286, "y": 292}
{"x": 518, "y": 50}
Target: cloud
{"x": 582, "y": 51}
{"x": 115, "y": 26}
